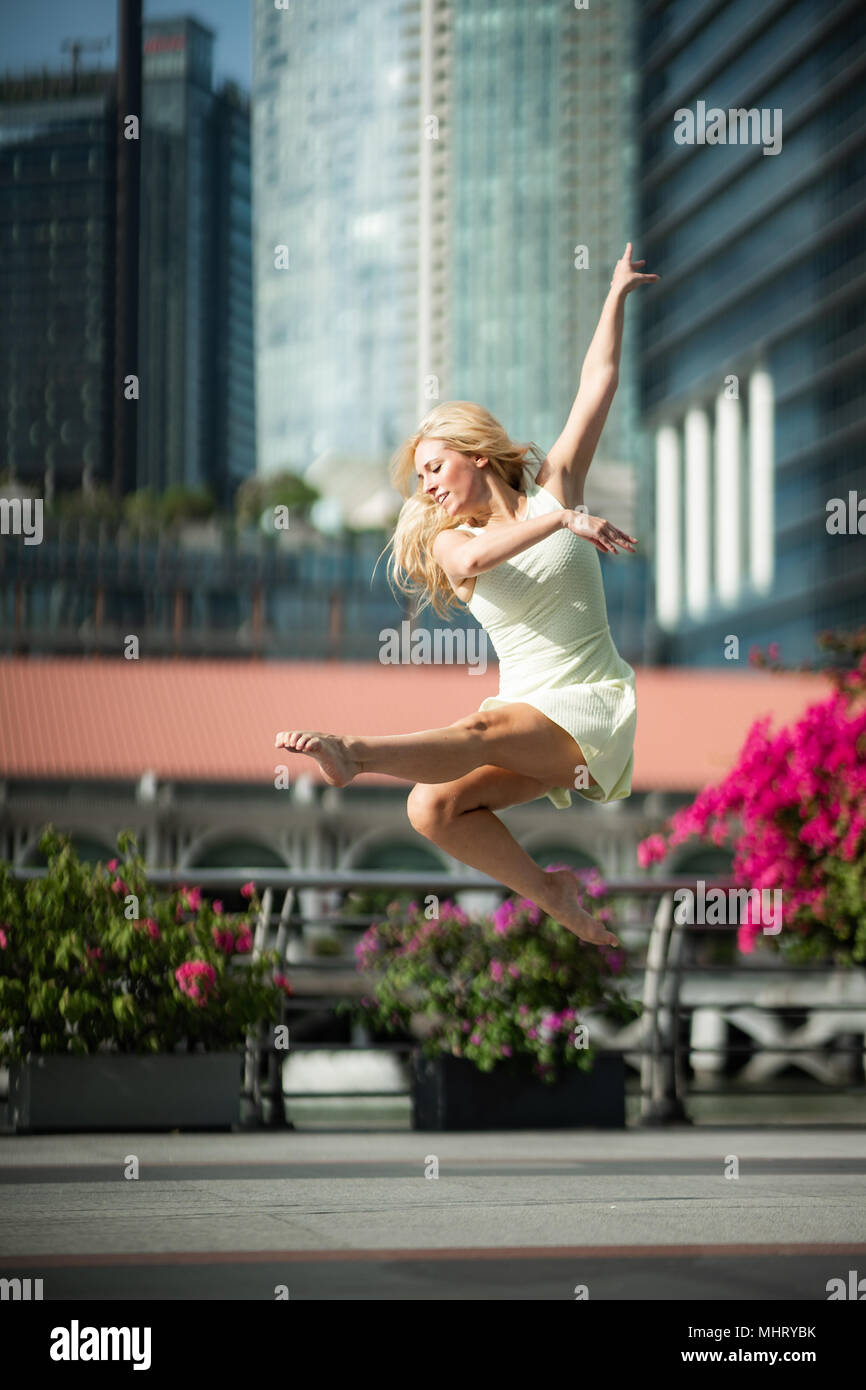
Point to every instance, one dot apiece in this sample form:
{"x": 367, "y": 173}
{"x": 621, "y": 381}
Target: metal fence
{"x": 663, "y": 973}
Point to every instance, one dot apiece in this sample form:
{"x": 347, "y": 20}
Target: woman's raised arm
{"x": 573, "y": 451}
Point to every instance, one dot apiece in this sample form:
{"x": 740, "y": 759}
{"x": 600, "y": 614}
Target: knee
{"x": 478, "y": 723}
{"x": 429, "y": 808}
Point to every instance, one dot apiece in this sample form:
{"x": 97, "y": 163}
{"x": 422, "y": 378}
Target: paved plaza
{"x": 687, "y": 1212}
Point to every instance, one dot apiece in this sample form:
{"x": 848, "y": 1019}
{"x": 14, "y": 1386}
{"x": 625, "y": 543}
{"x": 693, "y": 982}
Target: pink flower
{"x": 244, "y": 941}
{"x": 476, "y": 1039}
{"x": 496, "y": 970}
{"x": 112, "y": 864}
{"x": 532, "y": 1033}
{"x": 153, "y": 928}
{"x": 218, "y": 907}
{"x": 118, "y": 886}
{"x": 506, "y": 1050}
{"x": 248, "y": 889}
{"x": 225, "y": 940}
{"x": 746, "y": 934}
{"x": 94, "y": 955}
{"x": 193, "y": 899}
{"x": 195, "y": 978}
{"x": 282, "y": 982}
{"x": 4, "y": 940}
{"x": 650, "y": 850}
{"x": 503, "y": 917}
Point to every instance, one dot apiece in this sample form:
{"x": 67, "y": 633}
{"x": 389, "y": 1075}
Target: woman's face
{"x": 448, "y": 478}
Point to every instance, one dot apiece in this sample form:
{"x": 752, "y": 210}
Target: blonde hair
{"x": 469, "y": 429}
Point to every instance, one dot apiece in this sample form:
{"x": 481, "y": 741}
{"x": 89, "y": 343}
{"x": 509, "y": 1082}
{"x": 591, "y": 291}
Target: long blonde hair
{"x": 469, "y": 429}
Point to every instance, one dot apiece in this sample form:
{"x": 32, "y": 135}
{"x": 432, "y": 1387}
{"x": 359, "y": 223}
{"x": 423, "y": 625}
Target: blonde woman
{"x": 520, "y": 553}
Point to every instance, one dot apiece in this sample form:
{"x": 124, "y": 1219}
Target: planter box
{"x": 124, "y": 1091}
{"x": 451, "y": 1093}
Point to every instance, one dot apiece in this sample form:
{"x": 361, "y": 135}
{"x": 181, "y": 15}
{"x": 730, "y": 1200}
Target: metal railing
{"x": 664, "y": 1084}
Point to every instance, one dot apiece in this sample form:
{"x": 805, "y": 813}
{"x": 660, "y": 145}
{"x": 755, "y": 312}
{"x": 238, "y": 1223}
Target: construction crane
{"x": 76, "y": 47}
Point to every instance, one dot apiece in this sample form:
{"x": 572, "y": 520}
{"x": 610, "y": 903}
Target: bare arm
{"x": 573, "y": 451}
{"x": 464, "y": 557}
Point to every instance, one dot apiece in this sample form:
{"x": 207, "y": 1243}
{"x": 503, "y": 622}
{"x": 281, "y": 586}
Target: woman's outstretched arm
{"x": 573, "y": 451}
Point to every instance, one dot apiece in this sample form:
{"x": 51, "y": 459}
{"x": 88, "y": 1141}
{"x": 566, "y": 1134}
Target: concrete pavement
{"x": 633, "y": 1214}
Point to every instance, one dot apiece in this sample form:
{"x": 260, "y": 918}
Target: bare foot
{"x": 329, "y": 750}
{"x": 563, "y": 907}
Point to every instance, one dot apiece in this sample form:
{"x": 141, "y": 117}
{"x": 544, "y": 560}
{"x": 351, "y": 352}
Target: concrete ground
{"x": 703, "y": 1212}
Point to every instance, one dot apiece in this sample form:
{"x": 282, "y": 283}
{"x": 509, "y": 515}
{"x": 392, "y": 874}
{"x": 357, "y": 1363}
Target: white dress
{"x": 545, "y": 614}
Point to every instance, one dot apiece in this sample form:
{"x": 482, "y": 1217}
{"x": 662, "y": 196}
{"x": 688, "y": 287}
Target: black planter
{"x": 125, "y": 1091}
{"x": 451, "y": 1093}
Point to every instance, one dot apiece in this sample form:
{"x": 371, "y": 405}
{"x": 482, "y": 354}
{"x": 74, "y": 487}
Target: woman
{"x": 477, "y": 526}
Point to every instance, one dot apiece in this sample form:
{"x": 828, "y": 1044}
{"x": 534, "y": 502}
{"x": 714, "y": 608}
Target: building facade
{"x": 196, "y": 425}
{"x": 196, "y": 415}
{"x": 752, "y": 210}
{"x": 57, "y": 198}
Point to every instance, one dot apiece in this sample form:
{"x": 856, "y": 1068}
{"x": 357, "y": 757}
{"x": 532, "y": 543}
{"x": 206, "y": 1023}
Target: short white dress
{"x": 545, "y": 614}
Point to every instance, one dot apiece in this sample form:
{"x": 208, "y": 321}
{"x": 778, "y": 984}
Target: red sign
{"x": 165, "y": 43}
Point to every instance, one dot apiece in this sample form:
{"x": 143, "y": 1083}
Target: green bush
{"x": 93, "y": 958}
{"x": 509, "y": 986}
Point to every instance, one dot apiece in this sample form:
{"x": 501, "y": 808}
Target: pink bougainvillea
{"x": 196, "y": 978}
{"x": 793, "y": 810}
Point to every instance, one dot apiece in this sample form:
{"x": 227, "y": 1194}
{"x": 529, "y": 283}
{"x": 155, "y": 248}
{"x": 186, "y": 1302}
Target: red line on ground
{"x": 512, "y": 1252}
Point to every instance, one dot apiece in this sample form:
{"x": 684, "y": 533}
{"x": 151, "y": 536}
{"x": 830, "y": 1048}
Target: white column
{"x": 697, "y": 440}
{"x": 728, "y": 501}
{"x": 668, "y": 547}
{"x": 761, "y": 480}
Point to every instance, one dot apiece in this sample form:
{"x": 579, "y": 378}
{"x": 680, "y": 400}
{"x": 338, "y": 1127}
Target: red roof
{"x": 213, "y": 721}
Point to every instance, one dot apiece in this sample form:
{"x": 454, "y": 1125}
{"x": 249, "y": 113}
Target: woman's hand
{"x": 626, "y": 276}
{"x": 602, "y": 534}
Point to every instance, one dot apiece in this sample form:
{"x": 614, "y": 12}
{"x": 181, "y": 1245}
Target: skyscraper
{"x": 441, "y": 191}
{"x": 57, "y": 192}
{"x": 449, "y": 184}
{"x": 752, "y": 120}
{"x": 197, "y": 423}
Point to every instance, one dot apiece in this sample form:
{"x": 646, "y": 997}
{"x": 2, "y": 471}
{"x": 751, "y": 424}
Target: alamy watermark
{"x": 443, "y": 646}
{"x": 737, "y": 126}
{"x": 719, "y": 907}
{"x": 17, "y": 519}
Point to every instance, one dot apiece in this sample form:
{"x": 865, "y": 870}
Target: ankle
{"x": 352, "y": 747}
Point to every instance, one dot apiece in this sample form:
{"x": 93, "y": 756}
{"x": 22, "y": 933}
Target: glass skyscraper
{"x": 57, "y": 190}
{"x": 450, "y": 184}
{"x": 441, "y": 191}
{"x": 197, "y": 424}
{"x": 751, "y": 183}
{"x": 335, "y": 190}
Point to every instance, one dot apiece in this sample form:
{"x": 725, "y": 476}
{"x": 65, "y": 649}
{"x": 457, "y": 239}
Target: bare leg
{"x": 516, "y": 737}
{"x": 479, "y": 838}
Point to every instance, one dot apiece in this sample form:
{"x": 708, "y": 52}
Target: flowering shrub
{"x": 77, "y": 974}
{"x": 794, "y": 809}
{"x": 509, "y": 986}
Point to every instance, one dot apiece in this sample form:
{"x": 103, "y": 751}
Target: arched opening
{"x": 235, "y": 853}
{"x": 564, "y": 854}
{"x": 86, "y": 850}
{"x": 389, "y": 856}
